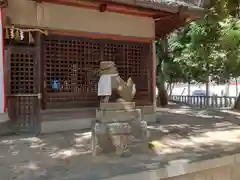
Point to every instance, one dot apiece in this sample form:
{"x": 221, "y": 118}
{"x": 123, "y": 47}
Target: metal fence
{"x": 206, "y": 101}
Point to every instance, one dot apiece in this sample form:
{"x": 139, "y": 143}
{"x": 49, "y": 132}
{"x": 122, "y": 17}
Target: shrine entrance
{"x": 70, "y": 64}
{"x": 23, "y": 93}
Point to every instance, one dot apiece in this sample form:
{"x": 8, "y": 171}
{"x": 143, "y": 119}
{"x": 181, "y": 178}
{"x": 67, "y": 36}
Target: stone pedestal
{"x": 117, "y": 125}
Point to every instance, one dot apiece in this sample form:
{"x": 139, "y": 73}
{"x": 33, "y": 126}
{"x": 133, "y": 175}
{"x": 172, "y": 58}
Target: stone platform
{"x": 67, "y": 156}
{"x": 204, "y": 145}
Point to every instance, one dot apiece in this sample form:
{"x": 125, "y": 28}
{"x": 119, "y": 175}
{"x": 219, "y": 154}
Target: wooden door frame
{"x": 35, "y": 94}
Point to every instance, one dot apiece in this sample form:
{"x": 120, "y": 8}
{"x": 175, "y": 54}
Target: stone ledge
{"x": 118, "y": 115}
{"x": 4, "y": 117}
{"x": 184, "y": 171}
{"x": 79, "y": 124}
{"x": 65, "y": 125}
{"x": 112, "y": 128}
{"x": 223, "y": 171}
{"x": 147, "y": 109}
{"x": 117, "y": 106}
{"x": 150, "y": 118}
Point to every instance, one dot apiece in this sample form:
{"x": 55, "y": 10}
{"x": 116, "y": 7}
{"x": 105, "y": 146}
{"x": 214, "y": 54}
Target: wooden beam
{"x": 168, "y": 24}
{"x": 111, "y": 7}
{"x": 100, "y": 36}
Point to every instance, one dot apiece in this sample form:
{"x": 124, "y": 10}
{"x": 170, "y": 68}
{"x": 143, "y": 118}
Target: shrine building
{"x": 53, "y": 47}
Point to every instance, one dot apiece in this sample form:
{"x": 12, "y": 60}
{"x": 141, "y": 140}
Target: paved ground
{"x": 198, "y": 130}
{"x": 185, "y": 133}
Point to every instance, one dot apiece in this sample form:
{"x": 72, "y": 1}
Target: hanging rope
{"x": 12, "y": 32}
{"x": 28, "y": 30}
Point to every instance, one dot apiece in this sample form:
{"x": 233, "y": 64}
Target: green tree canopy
{"x": 209, "y": 46}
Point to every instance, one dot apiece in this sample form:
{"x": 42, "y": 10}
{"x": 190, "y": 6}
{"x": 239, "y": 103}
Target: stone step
{"x": 119, "y": 115}
{"x": 117, "y": 106}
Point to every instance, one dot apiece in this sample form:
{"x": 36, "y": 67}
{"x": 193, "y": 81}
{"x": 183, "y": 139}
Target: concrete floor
{"x": 186, "y": 134}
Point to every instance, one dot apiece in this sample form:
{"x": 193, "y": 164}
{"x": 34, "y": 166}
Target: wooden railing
{"x": 206, "y": 101}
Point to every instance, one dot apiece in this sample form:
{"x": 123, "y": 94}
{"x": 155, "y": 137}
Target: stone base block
{"x": 113, "y": 128}
{"x": 118, "y": 115}
{"x": 139, "y": 130}
{"x": 111, "y": 137}
{"x": 117, "y": 105}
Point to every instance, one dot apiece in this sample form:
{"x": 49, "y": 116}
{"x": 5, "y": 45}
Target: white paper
{"x": 105, "y": 85}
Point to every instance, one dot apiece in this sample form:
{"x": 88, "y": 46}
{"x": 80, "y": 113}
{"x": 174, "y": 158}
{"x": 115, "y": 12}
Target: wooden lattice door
{"x": 23, "y": 89}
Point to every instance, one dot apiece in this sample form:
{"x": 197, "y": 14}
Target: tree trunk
{"x": 207, "y": 93}
{"x": 161, "y": 86}
{"x": 163, "y": 96}
{"x": 168, "y": 86}
{"x": 237, "y": 103}
{"x": 189, "y": 91}
{"x": 171, "y": 89}
{"x": 189, "y": 88}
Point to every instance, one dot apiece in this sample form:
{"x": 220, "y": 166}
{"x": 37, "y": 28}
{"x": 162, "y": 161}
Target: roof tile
{"x": 175, "y": 3}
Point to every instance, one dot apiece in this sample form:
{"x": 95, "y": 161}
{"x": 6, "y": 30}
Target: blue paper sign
{"x": 55, "y": 83}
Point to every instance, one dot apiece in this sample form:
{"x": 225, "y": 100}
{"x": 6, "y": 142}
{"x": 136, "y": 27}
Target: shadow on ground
{"x": 184, "y": 129}
{"x": 64, "y": 156}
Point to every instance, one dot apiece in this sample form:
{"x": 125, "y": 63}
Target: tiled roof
{"x": 174, "y": 3}
{"x": 192, "y": 6}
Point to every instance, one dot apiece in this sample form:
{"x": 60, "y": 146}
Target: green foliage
{"x": 210, "y": 46}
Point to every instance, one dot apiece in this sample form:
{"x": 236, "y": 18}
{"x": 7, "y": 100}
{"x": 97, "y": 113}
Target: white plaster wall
{"x": 29, "y": 13}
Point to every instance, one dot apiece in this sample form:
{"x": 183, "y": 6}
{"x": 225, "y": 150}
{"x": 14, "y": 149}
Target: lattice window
{"x": 22, "y": 72}
{"x": 70, "y": 63}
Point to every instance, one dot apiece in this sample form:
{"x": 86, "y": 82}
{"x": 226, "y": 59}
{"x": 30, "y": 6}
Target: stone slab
{"x": 235, "y": 171}
{"x": 117, "y": 105}
{"x": 222, "y": 173}
{"x": 139, "y": 130}
{"x": 147, "y": 109}
{"x": 150, "y": 118}
{"x": 119, "y": 115}
{"x": 79, "y": 124}
{"x": 112, "y": 128}
{"x": 66, "y": 125}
